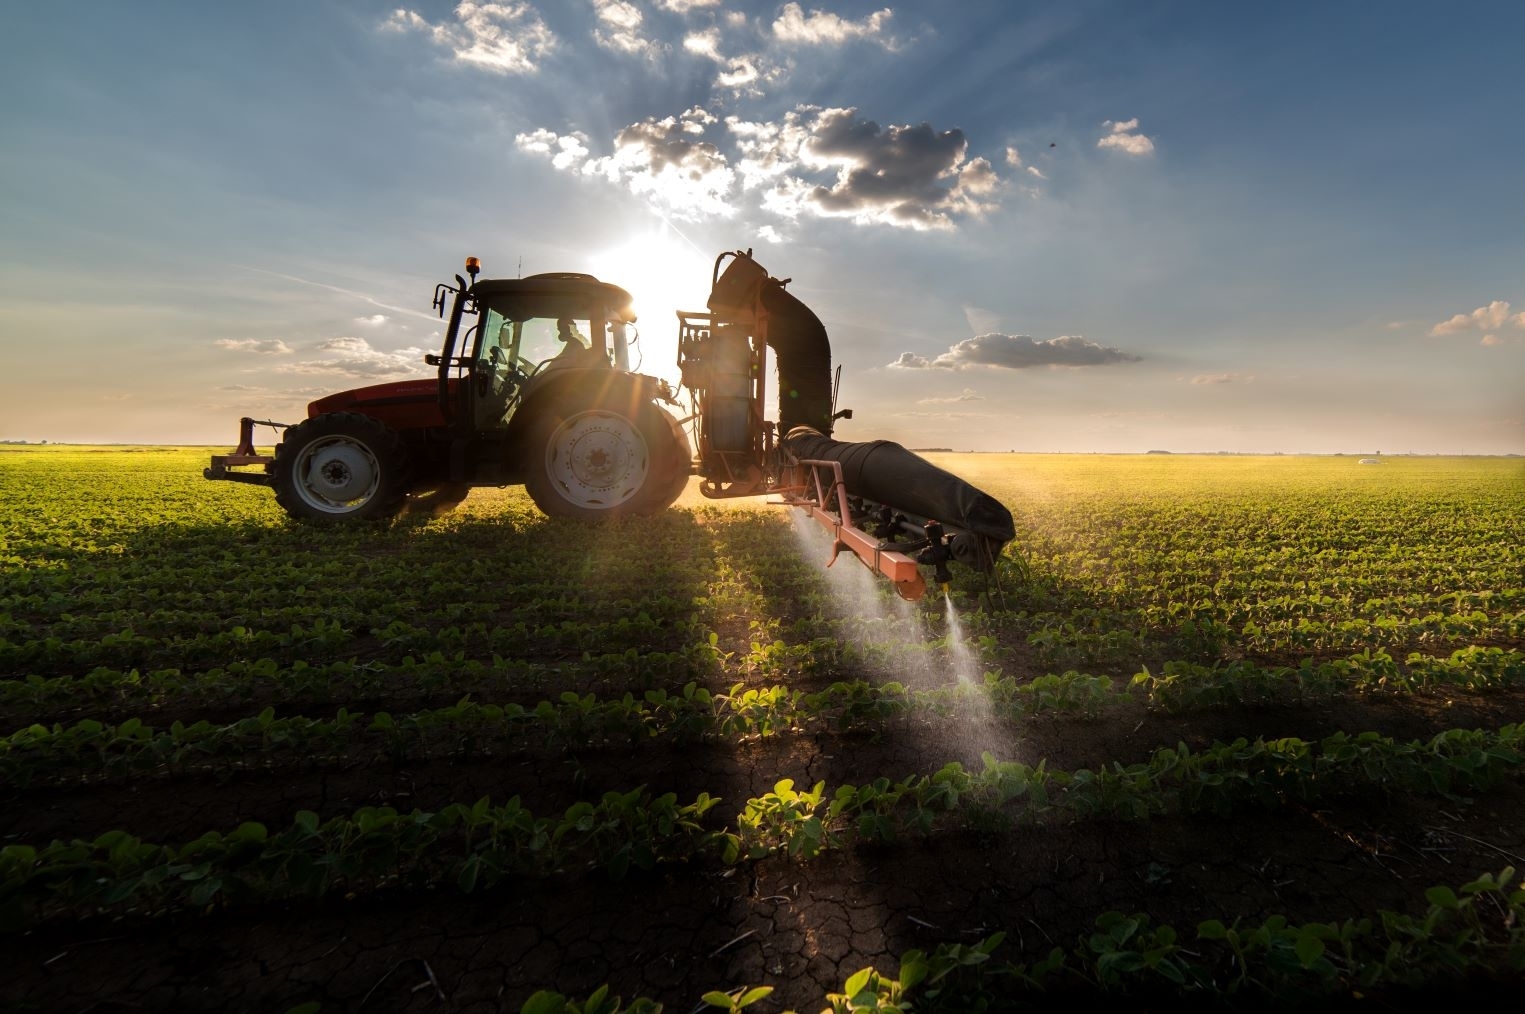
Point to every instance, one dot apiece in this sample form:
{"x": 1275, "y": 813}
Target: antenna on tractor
{"x": 836, "y": 387}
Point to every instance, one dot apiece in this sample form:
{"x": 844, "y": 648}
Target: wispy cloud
{"x": 1122, "y": 136}
{"x": 505, "y": 38}
{"x": 264, "y": 346}
{"x": 362, "y": 296}
{"x": 1017, "y": 352}
{"x": 349, "y": 356}
{"x": 822, "y": 28}
{"x": 965, "y": 395}
{"x": 1222, "y": 378}
{"x": 620, "y": 28}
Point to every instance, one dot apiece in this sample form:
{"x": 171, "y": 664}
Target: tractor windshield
{"x": 499, "y": 369}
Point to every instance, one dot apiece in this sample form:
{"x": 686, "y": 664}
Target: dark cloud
{"x": 1018, "y": 352}
{"x": 671, "y": 142}
{"x": 908, "y": 175}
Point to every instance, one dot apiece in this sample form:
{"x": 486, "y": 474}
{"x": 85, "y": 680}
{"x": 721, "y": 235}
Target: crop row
{"x": 1090, "y": 635}
{"x": 1082, "y": 635}
{"x": 1477, "y": 927}
{"x": 40, "y": 753}
{"x": 255, "y": 679}
{"x": 328, "y": 638}
{"x": 482, "y": 844}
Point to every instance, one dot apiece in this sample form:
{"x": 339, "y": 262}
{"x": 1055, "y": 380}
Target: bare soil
{"x": 802, "y": 927}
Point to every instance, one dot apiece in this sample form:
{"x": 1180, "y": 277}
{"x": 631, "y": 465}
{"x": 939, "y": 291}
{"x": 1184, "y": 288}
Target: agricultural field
{"x": 1223, "y": 731}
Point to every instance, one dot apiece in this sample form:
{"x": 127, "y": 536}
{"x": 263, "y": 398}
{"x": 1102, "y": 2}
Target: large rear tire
{"x": 608, "y": 459}
{"x": 677, "y": 465}
{"x": 340, "y": 467}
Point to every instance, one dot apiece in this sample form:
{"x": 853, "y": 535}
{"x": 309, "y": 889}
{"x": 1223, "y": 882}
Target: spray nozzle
{"x": 936, "y": 554}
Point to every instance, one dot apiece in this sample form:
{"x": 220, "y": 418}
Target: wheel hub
{"x": 598, "y": 459}
{"x": 339, "y": 473}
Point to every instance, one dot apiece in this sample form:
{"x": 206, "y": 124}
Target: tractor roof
{"x": 555, "y": 294}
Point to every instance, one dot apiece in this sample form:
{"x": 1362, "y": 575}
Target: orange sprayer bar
{"x": 902, "y": 571}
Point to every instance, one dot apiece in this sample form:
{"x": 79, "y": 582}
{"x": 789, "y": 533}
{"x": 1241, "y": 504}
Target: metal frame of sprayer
{"x": 739, "y": 452}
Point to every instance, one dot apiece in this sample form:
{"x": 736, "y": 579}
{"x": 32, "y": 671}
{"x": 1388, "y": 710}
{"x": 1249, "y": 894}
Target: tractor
{"x": 533, "y": 386}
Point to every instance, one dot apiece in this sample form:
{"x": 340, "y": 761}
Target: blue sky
{"x": 1041, "y": 227}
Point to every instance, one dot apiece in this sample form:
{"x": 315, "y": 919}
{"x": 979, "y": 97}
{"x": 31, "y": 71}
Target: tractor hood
{"x": 401, "y": 404}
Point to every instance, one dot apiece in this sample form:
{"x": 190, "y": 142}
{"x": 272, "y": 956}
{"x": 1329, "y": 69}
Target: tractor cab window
{"x": 498, "y": 370}
{"x": 558, "y": 341}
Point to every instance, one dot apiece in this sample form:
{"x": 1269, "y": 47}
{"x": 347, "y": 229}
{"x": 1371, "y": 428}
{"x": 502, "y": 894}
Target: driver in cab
{"x": 575, "y": 350}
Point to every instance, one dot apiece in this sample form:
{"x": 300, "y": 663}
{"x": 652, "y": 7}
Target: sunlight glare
{"x": 664, "y": 275}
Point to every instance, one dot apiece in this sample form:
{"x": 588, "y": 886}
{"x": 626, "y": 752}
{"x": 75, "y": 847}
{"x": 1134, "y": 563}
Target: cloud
{"x": 741, "y": 75}
{"x": 965, "y": 395}
{"x": 566, "y": 151}
{"x": 827, "y": 163}
{"x": 506, "y": 38}
{"x": 349, "y": 356}
{"x": 1017, "y": 352}
{"x": 981, "y": 320}
{"x": 664, "y": 160}
{"x": 373, "y": 320}
{"x": 623, "y": 23}
{"x": 684, "y": 6}
{"x": 1491, "y": 339}
{"x": 1123, "y": 138}
{"x": 705, "y": 43}
{"x": 264, "y": 346}
{"x": 908, "y": 176}
{"x": 1484, "y": 318}
{"x": 1221, "y": 378}
{"x": 822, "y": 28}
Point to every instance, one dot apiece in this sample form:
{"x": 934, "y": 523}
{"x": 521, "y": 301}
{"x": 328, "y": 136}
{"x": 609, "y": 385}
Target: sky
{"x": 1082, "y": 226}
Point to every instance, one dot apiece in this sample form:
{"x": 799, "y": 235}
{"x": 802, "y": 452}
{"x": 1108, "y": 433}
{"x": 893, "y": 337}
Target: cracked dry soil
{"x": 801, "y": 927}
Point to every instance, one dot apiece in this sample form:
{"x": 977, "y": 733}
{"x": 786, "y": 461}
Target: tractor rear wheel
{"x": 678, "y": 466}
{"x": 340, "y": 467}
{"x": 609, "y": 459}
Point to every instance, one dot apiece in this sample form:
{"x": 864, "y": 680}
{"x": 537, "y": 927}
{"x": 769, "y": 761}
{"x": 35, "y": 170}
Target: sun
{"x": 663, "y": 274}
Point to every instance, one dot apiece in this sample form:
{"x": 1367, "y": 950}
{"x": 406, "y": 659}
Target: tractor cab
{"x": 506, "y": 336}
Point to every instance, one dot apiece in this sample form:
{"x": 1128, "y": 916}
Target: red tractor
{"x": 532, "y": 386}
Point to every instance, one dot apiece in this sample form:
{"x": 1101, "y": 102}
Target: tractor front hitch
{"x": 244, "y": 454}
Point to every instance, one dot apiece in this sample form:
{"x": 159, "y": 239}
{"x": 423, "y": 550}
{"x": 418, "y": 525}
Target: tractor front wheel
{"x": 340, "y": 467}
{"x": 605, "y": 461}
